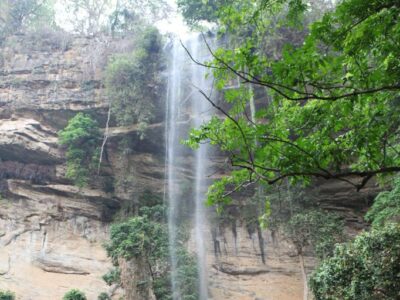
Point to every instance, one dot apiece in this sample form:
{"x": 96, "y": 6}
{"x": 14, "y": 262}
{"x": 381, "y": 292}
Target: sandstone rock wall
{"x": 51, "y": 233}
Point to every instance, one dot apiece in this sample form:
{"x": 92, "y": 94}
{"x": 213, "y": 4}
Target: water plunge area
{"x": 186, "y": 190}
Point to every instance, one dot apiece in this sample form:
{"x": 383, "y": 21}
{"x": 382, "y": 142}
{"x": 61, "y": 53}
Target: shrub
{"x": 367, "y": 268}
{"x": 74, "y": 294}
{"x": 82, "y": 138}
{"x": 133, "y": 80}
{"x": 315, "y": 228}
{"x": 103, "y": 296}
{"x": 7, "y": 295}
{"x": 138, "y": 236}
{"x": 113, "y": 276}
{"x": 386, "y": 206}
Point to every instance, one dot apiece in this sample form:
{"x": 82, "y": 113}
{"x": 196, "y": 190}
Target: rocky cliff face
{"x": 51, "y": 232}
{"x": 238, "y": 272}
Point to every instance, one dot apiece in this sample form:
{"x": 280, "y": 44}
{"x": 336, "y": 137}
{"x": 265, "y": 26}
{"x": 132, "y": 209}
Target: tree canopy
{"x": 22, "y": 14}
{"x": 133, "y": 80}
{"x": 327, "y": 103}
{"x": 366, "y": 268}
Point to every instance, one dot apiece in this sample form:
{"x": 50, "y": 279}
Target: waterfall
{"x": 185, "y": 108}
{"x": 172, "y": 146}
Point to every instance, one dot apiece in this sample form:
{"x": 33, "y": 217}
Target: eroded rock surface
{"x": 51, "y": 232}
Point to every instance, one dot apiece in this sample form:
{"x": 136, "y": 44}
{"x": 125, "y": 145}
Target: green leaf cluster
{"x": 112, "y": 277}
{"x": 386, "y": 207}
{"x": 133, "y": 80}
{"x": 327, "y": 96}
{"x": 74, "y": 294}
{"x": 138, "y": 236}
{"x": 146, "y": 236}
{"x": 365, "y": 269}
{"x": 17, "y": 15}
{"x": 369, "y": 266}
{"x": 82, "y": 138}
{"x": 316, "y": 228}
{"x": 103, "y": 296}
{"x": 7, "y": 295}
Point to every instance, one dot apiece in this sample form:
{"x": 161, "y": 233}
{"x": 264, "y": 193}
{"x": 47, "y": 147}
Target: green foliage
{"x": 138, "y": 236}
{"x": 367, "y": 268}
{"x": 82, "y": 138}
{"x": 133, "y": 80}
{"x": 122, "y": 16}
{"x": 331, "y": 98}
{"x": 187, "y": 275}
{"x": 386, "y": 207}
{"x": 112, "y": 277}
{"x": 145, "y": 235}
{"x": 74, "y": 294}
{"x": 162, "y": 288}
{"x": 194, "y": 11}
{"x": 16, "y": 15}
{"x": 7, "y": 295}
{"x": 103, "y": 296}
{"x": 316, "y": 228}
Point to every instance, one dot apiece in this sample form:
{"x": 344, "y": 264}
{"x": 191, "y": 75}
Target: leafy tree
{"x": 91, "y": 17}
{"x": 367, "y": 268}
{"x": 195, "y": 11}
{"x": 146, "y": 237}
{"x": 7, "y": 295}
{"x": 315, "y": 228}
{"x": 386, "y": 207}
{"x": 327, "y": 107}
{"x": 133, "y": 80}
{"x": 16, "y": 15}
{"x": 82, "y": 138}
{"x": 129, "y": 12}
{"x": 74, "y": 294}
{"x": 138, "y": 236}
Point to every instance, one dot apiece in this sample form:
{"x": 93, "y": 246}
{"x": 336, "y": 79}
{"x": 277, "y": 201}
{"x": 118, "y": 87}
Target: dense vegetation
{"x": 133, "y": 81}
{"x": 74, "y": 294}
{"x": 366, "y": 268}
{"x": 145, "y": 238}
{"x": 85, "y": 17}
{"x": 369, "y": 266}
{"x": 81, "y": 137}
{"x": 16, "y": 16}
{"x": 7, "y": 295}
{"x": 330, "y": 105}
{"x": 318, "y": 97}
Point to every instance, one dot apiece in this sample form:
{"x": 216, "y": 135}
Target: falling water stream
{"x": 185, "y": 108}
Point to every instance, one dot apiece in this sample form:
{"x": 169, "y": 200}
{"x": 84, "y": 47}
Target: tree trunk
{"x": 304, "y": 275}
{"x": 136, "y": 279}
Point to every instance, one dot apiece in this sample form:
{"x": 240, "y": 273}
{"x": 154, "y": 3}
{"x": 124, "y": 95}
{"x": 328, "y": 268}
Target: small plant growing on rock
{"x": 82, "y": 138}
{"x": 7, "y": 295}
{"x": 103, "y": 296}
{"x": 74, "y": 294}
{"x": 112, "y": 277}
